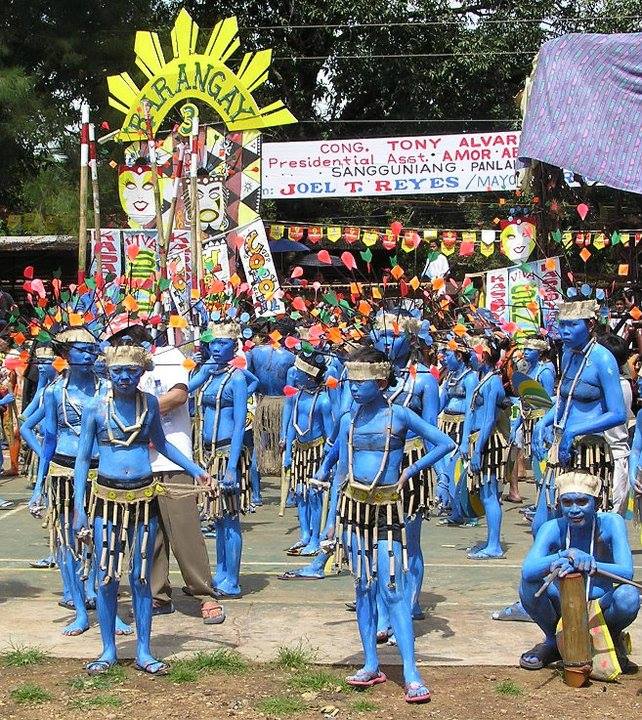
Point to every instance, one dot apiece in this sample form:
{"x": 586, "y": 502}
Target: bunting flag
{"x": 487, "y": 246}
{"x": 448, "y": 242}
{"x": 333, "y": 233}
{"x": 277, "y": 232}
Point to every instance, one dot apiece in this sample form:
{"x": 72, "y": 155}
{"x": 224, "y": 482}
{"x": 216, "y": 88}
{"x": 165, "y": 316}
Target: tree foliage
{"x": 469, "y": 61}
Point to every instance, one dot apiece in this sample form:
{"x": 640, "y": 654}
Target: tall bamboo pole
{"x": 93, "y": 165}
{"x": 84, "y": 172}
{"x": 151, "y": 148}
{"x": 195, "y": 236}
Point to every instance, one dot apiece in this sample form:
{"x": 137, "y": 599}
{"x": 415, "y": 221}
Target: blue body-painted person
{"x": 485, "y": 447}
{"x": 589, "y": 401}
{"x": 416, "y": 389}
{"x": 581, "y": 540}
{"x": 270, "y": 364}
{"x": 221, "y": 404}
{"x": 60, "y": 421}
{"x": 122, "y": 421}
{"x": 543, "y": 371}
{"x": 310, "y": 424}
{"x": 455, "y": 398}
{"x": 371, "y": 528}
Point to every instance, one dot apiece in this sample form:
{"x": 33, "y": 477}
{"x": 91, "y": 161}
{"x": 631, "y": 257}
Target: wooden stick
{"x": 195, "y": 235}
{"x": 548, "y": 580}
{"x": 618, "y": 578}
{"x": 84, "y": 171}
{"x": 93, "y": 165}
{"x": 176, "y": 188}
{"x": 151, "y": 147}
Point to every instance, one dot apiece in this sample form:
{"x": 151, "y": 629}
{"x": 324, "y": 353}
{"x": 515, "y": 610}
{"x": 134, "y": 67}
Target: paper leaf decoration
{"x": 289, "y": 391}
{"x": 324, "y": 257}
{"x": 348, "y": 260}
{"x": 582, "y": 210}
{"x": 297, "y": 272}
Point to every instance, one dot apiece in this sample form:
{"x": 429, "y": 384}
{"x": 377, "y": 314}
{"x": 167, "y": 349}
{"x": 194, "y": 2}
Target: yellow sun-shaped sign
{"x": 191, "y": 75}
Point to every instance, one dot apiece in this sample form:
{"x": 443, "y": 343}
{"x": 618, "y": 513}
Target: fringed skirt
{"x": 223, "y": 502}
{"x": 124, "y": 507}
{"x": 306, "y": 459}
{"x": 364, "y": 517}
{"x": 60, "y": 502}
{"x": 267, "y": 434}
{"x": 452, "y": 425}
{"x": 493, "y": 461}
{"x": 419, "y": 493}
{"x": 529, "y": 418}
{"x": 591, "y": 455}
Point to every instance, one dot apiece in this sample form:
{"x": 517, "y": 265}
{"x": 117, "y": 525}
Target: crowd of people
{"x": 135, "y": 444}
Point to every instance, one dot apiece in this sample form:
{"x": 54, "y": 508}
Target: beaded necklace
{"x": 135, "y": 428}
{"x": 402, "y": 388}
{"x": 217, "y": 399}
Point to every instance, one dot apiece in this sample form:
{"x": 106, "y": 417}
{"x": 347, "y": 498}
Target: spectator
{"x": 436, "y": 264}
{"x": 618, "y": 437}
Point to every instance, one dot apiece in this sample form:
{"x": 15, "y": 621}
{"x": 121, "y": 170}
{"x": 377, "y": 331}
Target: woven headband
{"x": 368, "y": 371}
{"x": 306, "y": 367}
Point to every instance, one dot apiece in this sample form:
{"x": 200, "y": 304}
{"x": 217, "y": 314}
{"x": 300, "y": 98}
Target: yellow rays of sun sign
{"x": 192, "y": 75}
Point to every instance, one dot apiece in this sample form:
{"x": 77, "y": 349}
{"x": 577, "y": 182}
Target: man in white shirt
{"x": 179, "y": 524}
{"x": 618, "y": 436}
{"x": 436, "y": 266}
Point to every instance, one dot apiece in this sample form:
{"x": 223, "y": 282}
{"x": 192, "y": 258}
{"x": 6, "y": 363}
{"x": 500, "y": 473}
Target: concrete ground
{"x": 459, "y": 595}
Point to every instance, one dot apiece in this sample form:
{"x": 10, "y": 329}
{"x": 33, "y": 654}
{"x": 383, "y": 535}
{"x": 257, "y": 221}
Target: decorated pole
{"x": 176, "y": 188}
{"x": 84, "y": 172}
{"x": 93, "y": 165}
{"x": 195, "y": 235}
{"x": 151, "y": 147}
{"x": 576, "y": 652}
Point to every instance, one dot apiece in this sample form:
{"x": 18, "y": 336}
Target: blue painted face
{"x": 221, "y": 350}
{"x": 365, "y": 391}
{"x": 452, "y": 360}
{"x": 82, "y": 354}
{"x": 578, "y": 508}
{"x": 46, "y": 370}
{"x": 531, "y": 356}
{"x": 125, "y": 378}
{"x": 574, "y": 333}
{"x": 394, "y": 346}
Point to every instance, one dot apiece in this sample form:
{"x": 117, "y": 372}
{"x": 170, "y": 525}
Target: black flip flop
{"x": 545, "y": 654}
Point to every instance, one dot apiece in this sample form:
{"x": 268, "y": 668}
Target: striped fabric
{"x": 585, "y": 108}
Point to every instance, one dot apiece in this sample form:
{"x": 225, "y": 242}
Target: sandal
{"x": 67, "y": 604}
{"x": 7, "y": 504}
{"x": 162, "y": 669}
{"x": 295, "y": 575}
{"x": 421, "y": 697}
{"x": 99, "y": 667}
{"x": 543, "y": 653}
{"x": 364, "y": 679}
{"x": 163, "y": 609}
{"x": 512, "y": 613}
{"x": 207, "y": 608}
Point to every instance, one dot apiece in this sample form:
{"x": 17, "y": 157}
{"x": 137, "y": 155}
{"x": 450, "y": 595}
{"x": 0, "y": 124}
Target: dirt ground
{"x": 226, "y": 686}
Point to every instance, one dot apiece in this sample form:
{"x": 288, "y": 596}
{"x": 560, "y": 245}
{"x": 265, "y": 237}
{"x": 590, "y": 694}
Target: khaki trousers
{"x": 179, "y": 527}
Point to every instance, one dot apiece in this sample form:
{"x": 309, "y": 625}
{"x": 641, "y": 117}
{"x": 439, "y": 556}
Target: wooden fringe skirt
{"x": 530, "y": 417}
{"x": 419, "y": 493}
{"x": 493, "y": 461}
{"x": 60, "y": 504}
{"x": 124, "y": 508}
{"x": 227, "y": 502}
{"x": 452, "y": 425}
{"x": 267, "y": 434}
{"x": 590, "y": 454}
{"x": 363, "y": 518}
{"x": 306, "y": 459}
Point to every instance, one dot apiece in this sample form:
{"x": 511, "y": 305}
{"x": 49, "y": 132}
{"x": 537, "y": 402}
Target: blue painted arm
{"x": 199, "y": 378}
{"x": 27, "y": 430}
{"x": 440, "y": 444}
{"x": 239, "y": 391}
{"x": 547, "y": 379}
{"x": 252, "y": 382}
{"x": 490, "y": 393}
{"x": 538, "y": 561}
{"x": 430, "y": 399}
{"x": 470, "y": 383}
{"x": 50, "y": 433}
{"x": 88, "y": 429}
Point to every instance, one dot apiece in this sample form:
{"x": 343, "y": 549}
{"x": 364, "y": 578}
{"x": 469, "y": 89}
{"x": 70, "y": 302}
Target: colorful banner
{"x": 179, "y": 270}
{"x": 476, "y": 162}
{"x": 216, "y": 261}
{"x": 259, "y": 269}
{"x": 111, "y": 251}
{"x": 526, "y": 295}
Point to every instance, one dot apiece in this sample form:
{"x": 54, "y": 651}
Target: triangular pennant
{"x": 333, "y": 233}
{"x": 487, "y": 245}
{"x": 567, "y": 239}
{"x": 369, "y": 237}
{"x": 448, "y": 242}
